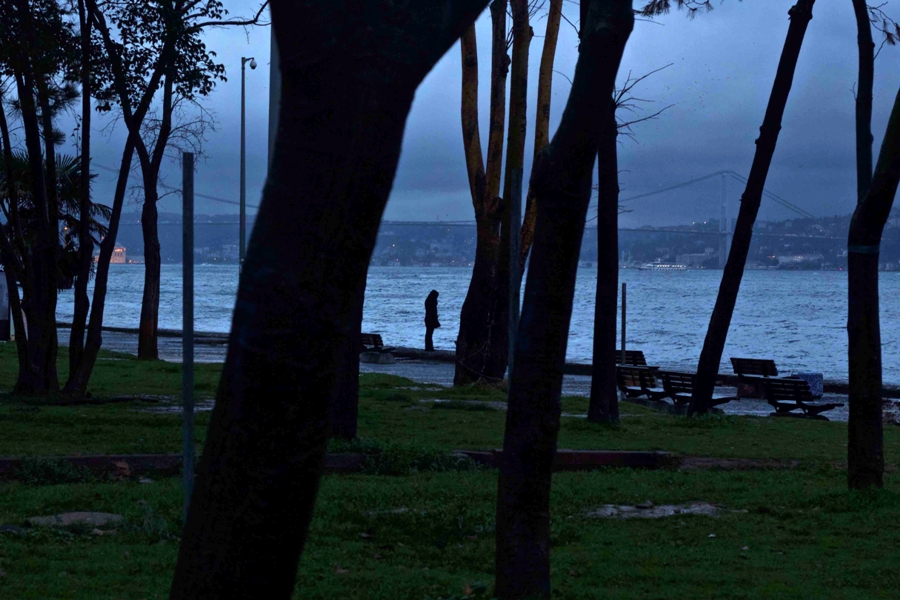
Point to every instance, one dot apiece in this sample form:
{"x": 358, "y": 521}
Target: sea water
{"x": 797, "y": 318}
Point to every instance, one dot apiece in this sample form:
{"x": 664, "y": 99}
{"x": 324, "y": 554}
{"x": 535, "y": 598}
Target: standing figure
{"x": 431, "y": 319}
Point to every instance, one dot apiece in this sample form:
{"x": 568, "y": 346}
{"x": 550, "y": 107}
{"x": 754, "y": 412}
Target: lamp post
{"x": 243, "y": 218}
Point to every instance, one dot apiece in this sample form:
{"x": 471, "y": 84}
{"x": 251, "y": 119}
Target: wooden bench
{"x": 788, "y": 394}
{"x": 639, "y": 381}
{"x": 680, "y": 388}
{"x": 750, "y": 373}
{"x": 372, "y": 342}
{"x": 754, "y": 367}
{"x": 633, "y": 358}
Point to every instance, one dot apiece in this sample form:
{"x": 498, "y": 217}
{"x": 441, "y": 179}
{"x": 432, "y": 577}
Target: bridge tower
{"x": 725, "y": 232}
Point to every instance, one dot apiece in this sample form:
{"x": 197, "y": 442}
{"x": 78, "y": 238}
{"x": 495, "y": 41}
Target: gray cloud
{"x": 719, "y": 83}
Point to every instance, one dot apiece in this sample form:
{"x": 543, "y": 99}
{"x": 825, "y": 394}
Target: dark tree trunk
{"x": 864, "y": 99}
{"x": 16, "y": 257}
{"x": 85, "y": 241}
{"x": 39, "y": 298}
{"x": 714, "y": 344}
{"x": 562, "y": 181}
{"x": 604, "y": 404}
{"x": 340, "y": 128}
{"x": 479, "y": 354}
{"x": 343, "y": 410}
{"x": 15, "y": 308}
{"x": 76, "y": 385}
{"x": 50, "y": 247}
{"x": 865, "y": 445}
{"x": 147, "y": 329}
{"x": 481, "y": 344}
{"x": 510, "y": 279}
{"x": 541, "y": 121}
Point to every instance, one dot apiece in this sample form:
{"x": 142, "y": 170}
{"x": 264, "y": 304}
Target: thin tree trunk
{"x": 15, "y": 308}
{"x": 16, "y": 256}
{"x": 76, "y": 386}
{"x": 864, "y": 99}
{"x": 865, "y": 444}
{"x": 340, "y": 128}
{"x": 562, "y": 180}
{"x": 150, "y": 166}
{"x": 39, "y": 297}
{"x": 497, "y": 124}
{"x": 149, "y": 324}
{"x": 541, "y": 120}
{"x": 604, "y": 403}
{"x": 714, "y": 344}
{"x": 85, "y": 241}
{"x": 481, "y": 348}
{"x": 514, "y": 166}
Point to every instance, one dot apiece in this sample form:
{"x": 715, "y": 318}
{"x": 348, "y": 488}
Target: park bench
{"x": 372, "y": 342}
{"x": 639, "y": 381}
{"x": 788, "y": 394}
{"x": 754, "y": 367}
{"x": 750, "y": 373}
{"x": 680, "y": 387}
{"x": 633, "y": 358}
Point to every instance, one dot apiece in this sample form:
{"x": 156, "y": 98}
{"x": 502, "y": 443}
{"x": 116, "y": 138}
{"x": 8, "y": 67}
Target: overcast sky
{"x": 723, "y": 64}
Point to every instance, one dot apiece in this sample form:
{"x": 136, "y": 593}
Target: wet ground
{"x": 209, "y": 348}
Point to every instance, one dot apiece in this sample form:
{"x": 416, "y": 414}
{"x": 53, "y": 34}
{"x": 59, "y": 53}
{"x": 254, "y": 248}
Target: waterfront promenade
{"x": 411, "y": 363}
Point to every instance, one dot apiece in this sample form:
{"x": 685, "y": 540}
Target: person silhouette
{"x": 431, "y": 319}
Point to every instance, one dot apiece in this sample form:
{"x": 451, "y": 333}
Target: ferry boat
{"x": 662, "y": 267}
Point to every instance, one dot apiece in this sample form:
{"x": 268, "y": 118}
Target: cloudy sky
{"x": 722, "y": 66}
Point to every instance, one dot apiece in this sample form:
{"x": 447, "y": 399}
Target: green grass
{"x": 393, "y": 412}
{"x": 418, "y": 524}
{"x": 431, "y": 535}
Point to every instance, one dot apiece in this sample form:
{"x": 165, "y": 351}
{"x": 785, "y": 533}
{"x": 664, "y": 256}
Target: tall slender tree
{"x": 716, "y": 334}
{"x": 347, "y": 87}
{"x": 865, "y": 446}
{"x": 481, "y": 345}
{"x": 562, "y": 181}
{"x": 155, "y": 48}
{"x": 541, "y": 120}
{"x": 37, "y": 46}
{"x": 85, "y": 240}
{"x": 864, "y": 93}
{"x": 604, "y": 403}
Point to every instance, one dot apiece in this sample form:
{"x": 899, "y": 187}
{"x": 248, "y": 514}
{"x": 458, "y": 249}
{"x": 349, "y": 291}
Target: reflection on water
{"x": 796, "y": 318}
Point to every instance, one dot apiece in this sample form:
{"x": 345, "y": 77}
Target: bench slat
{"x": 754, "y": 366}
{"x": 634, "y": 358}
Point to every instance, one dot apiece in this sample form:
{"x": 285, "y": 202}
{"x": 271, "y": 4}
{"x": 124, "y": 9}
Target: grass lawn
{"x": 794, "y": 533}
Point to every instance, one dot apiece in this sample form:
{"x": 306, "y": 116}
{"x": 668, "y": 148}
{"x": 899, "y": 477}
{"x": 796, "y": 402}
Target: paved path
{"x": 211, "y": 348}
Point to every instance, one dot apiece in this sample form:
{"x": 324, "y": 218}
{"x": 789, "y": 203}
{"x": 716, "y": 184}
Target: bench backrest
{"x": 627, "y": 376}
{"x": 788, "y": 389}
{"x": 371, "y": 340}
{"x": 760, "y": 367}
{"x": 634, "y": 358}
{"x": 682, "y": 383}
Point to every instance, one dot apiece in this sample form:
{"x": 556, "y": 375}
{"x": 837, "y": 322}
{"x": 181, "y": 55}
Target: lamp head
{"x": 252, "y": 63}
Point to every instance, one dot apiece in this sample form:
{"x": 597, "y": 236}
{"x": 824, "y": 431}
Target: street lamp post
{"x": 243, "y": 218}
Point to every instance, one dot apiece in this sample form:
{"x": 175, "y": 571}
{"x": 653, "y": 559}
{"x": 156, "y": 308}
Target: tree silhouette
{"x": 865, "y": 445}
{"x": 347, "y": 87}
{"x": 562, "y": 182}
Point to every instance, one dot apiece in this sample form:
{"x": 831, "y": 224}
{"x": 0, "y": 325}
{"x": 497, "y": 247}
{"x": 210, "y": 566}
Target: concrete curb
{"x": 170, "y": 464}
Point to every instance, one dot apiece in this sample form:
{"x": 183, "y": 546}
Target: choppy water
{"x": 796, "y": 318}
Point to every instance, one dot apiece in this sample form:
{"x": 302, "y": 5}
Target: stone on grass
{"x": 14, "y": 529}
{"x": 96, "y": 520}
{"x": 647, "y": 510}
